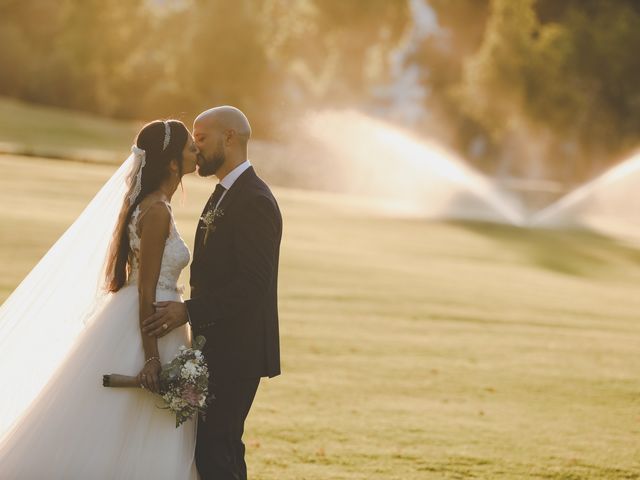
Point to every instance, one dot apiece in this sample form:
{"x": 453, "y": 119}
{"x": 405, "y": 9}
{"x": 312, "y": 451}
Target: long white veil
{"x": 44, "y": 316}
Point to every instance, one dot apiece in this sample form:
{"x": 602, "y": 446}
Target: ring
{"x": 165, "y": 326}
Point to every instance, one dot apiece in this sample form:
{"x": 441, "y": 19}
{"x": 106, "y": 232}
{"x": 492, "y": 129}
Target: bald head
{"x": 222, "y": 135}
{"x": 224, "y": 118}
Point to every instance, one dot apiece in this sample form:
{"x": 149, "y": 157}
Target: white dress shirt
{"x": 228, "y": 181}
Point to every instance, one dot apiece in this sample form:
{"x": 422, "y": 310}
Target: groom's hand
{"x": 169, "y": 315}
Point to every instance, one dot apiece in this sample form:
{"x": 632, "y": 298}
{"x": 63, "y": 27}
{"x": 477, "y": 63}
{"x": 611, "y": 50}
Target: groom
{"x": 234, "y": 276}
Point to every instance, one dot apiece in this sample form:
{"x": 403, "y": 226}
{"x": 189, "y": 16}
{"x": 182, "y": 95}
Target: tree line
{"x": 509, "y": 82}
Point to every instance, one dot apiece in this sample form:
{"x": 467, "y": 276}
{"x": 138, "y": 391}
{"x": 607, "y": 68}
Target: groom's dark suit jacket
{"x": 234, "y": 283}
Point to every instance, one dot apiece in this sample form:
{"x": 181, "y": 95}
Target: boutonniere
{"x": 209, "y": 220}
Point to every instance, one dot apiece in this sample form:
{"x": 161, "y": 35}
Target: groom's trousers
{"x": 219, "y": 447}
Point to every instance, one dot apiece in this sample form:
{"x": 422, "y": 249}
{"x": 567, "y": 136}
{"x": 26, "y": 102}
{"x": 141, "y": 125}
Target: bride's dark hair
{"x": 156, "y": 170}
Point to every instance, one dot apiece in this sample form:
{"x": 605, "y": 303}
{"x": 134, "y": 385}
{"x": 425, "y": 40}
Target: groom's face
{"x": 209, "y": 162}
{"x": 212, "y": 155}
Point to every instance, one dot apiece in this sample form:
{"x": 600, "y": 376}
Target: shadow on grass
{"x": 578, "y": 253}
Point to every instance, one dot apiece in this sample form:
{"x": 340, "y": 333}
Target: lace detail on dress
{"x": 175, "y": 258}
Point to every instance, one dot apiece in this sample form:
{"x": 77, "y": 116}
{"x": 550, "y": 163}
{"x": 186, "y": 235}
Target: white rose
{"x": 190, "y": 370}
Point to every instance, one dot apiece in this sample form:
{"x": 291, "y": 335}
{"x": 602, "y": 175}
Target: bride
{"x": 60, "y": 331}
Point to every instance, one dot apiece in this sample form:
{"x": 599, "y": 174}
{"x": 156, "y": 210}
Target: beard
{"x": 209, "y": 166}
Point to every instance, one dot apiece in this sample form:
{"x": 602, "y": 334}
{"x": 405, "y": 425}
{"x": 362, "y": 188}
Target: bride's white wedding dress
{"x": 78, "y": 429}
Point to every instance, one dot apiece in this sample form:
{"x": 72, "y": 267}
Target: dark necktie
{"x": 210, "y": 205}
{"x": 215, "y": 196}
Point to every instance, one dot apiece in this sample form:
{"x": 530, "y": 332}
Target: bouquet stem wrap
{"x": 116, "y": 380}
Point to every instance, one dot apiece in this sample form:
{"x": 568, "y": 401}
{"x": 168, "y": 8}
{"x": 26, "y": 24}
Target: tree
{"x": 570, "y": 84}
{"x": 333, "y": 51}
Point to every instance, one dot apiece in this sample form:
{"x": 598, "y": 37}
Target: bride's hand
{"x": 149, "y": 376}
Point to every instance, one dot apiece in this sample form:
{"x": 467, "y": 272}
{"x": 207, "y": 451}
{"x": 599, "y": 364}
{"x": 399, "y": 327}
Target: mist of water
{"x": 405, "y": 174}
{"x": 609, "y": 204}
{"x": 377, "y": 159}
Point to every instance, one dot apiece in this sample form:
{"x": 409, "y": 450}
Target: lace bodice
{"x": 175, "y": 258}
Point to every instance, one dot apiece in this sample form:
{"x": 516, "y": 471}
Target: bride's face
{"x": 189, "y": 156}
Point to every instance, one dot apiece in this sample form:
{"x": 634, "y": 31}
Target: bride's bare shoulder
{"x": 154, "y": 216}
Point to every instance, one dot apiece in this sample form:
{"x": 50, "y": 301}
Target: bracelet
{"x": 151, "y": 358}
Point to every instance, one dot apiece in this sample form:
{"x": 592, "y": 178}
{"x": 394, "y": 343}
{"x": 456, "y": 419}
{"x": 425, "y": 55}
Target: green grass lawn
{"x": 411, "y": 349}
{"x": 30, "y": 129}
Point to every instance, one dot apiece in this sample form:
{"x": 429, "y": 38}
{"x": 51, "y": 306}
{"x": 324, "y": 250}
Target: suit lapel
{"x": 199, "y": 228}
{"x": 236, "y": 188}
{"x": 226, "y": 201}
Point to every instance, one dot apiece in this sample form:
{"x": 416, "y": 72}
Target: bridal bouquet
{"x": 183, "y": 382}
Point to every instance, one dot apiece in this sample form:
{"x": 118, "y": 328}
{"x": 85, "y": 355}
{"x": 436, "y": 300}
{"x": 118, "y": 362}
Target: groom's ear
{"x": 230, "y": 136}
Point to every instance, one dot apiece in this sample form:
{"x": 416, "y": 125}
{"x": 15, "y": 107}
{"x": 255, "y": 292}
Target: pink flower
{"x": 191, "y": 395}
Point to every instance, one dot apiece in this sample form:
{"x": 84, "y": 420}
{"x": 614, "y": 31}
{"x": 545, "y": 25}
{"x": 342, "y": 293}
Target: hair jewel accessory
{"x": 167, "y": 136}
{"x": 139, "y": 158}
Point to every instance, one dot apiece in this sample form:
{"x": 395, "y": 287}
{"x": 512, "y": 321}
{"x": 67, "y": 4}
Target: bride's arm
{"x": 154, "y": 231}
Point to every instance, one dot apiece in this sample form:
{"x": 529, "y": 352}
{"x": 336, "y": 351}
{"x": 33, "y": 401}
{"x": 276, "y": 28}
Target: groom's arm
{"x": 257, "y": 238}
